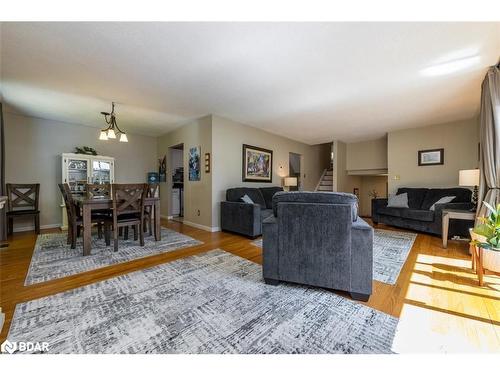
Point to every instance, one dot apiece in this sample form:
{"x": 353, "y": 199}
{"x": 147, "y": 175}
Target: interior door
{"x": 294, "y": 168}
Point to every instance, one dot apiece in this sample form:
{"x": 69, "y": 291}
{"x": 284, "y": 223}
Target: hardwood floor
{"x": 437, "y": 298}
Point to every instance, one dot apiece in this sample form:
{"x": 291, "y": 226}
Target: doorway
{"x": 176, "y": 182}
{"x": 294, "y": 161}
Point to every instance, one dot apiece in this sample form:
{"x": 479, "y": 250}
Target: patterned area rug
{"x": 53, "y": 258}
{"x": 390, "y": 250}
{"x": 215, "y": 302}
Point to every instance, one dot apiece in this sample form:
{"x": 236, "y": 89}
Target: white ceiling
{"x": 313, "y": 82}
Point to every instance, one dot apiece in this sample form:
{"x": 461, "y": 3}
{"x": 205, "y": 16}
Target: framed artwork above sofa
{"x": 431, "y": 157}
{"x": 257, "y": 164}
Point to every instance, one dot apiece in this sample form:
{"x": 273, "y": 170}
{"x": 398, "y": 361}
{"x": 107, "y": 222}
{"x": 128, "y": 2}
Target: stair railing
{"x": 321, "y": 179}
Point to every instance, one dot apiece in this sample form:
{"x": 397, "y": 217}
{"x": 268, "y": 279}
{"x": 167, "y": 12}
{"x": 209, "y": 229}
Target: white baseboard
{"x": 32, "y": 227}
{"x": 200, "y": 226}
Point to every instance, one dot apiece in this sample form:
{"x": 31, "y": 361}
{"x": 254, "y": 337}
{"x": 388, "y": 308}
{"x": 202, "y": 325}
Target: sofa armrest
{"x": 361, "y": 257}
{"x": 270, "y": 254}
{"x": 377, "y": 203}
{"x": 240, "y": 217}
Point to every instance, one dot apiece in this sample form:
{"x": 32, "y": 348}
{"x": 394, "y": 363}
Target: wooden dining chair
{"x": 75, "y": 220}
{"x": 128, "y": 209}
{"x": 153, "y": 191}
{"x": 23, "y": 202}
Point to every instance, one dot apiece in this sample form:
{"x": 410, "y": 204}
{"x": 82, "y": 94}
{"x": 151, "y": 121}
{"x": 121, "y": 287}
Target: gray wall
{"x": 33, "y": 154}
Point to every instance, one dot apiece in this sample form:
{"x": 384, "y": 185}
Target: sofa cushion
{"x": 433, "y": 195}
{"x": 235, "y": 195}
{"x": 268, "y": 193}
{"x": 398, "y": 201}
{"x": 316, "y": 197}
{"x": 420, "y": 215}
{"x": 391, "y": 211}
{"x": 415, "y": 196}
{"x": 264, "y": 214}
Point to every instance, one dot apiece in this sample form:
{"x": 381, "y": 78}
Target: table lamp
{"x": 470, "y": 177}
{"x": 290, "y": 182}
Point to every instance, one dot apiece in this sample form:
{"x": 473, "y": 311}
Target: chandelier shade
{"x": 112, "y": 130}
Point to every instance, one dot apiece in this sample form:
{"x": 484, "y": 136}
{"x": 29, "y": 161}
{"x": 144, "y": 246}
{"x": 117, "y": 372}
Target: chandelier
{"x": 112, "y": 130}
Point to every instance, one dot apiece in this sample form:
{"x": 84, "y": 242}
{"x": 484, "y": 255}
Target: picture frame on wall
{"x": 431, "y": 157}
{"x": 257, "y": 164}
{"x": 194, "y": 163}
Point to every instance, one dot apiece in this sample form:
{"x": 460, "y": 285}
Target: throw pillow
{"x": 441, "y": 200}
{"x": 246, "y": 199}
{"x": 398, "y": 201}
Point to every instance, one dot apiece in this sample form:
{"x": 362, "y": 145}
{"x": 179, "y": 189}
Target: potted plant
{"x": 486, "y": 234}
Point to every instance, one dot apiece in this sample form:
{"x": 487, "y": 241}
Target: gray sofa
{"x": 244, "y": 218}
{"x": 318, "y": 239}
{"x": 419, "y": 217}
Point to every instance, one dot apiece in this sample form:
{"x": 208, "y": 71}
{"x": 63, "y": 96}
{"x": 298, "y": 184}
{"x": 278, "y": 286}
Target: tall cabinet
{"x": 79, "y": 170}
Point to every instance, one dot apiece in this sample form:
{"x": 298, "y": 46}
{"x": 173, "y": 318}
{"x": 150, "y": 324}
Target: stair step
{"x": 323, "y": 188}
{"x": 326, "y": 184}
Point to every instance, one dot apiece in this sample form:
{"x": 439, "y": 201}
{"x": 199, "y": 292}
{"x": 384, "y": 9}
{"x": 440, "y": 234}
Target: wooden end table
{"x": 457, "y": 215}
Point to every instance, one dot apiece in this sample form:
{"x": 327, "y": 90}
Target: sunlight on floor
{"x": 446, "y": 311}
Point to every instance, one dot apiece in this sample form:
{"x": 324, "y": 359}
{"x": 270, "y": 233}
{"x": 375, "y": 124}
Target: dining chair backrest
{"x": 128, "y": 198}
{"x": 153, "y": 190}
{"x": 68, "y": 202}
{"x": 22, "y": 197}
{"x": 98, "y": 190}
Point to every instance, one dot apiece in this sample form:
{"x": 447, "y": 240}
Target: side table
{"x": 457, "y": 215}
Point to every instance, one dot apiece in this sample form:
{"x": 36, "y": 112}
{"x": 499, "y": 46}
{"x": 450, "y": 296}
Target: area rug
{"x": 215, "y": 302}
{"x": 53, "y": 258}
{"x": 390, "y": 250}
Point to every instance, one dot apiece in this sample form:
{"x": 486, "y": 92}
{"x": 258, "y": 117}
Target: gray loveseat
{"x": 318, "y": 239}
{"x": 418, "y": 215}
{"x": 246, "y": 218}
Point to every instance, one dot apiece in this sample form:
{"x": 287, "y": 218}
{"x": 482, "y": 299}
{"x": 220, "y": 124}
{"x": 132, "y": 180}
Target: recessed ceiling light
{"x": 451, "y": 66}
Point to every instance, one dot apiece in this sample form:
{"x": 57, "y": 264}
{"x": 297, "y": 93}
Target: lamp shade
{"x": 103, "y": 136}
{"x": 468, "y": 177}
{"x": 290, "y": 181}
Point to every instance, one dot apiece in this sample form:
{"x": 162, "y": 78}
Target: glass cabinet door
{"x": 77, "y": 175}
{"x": 101, "y": 172}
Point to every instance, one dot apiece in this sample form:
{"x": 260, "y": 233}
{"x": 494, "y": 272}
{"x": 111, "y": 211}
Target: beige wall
{"x": 367, "y": 155}
{"x": 228, "y": 138}
{"x": 459, "y": 140}
{"x": 33, "y": 149}
{"x": 197, "y": 194}
{"x": 343, "y": 182}
{"x": 369, "y": 183}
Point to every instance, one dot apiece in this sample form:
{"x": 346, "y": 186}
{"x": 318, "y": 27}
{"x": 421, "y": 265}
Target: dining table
{"x": 88, "y": 204}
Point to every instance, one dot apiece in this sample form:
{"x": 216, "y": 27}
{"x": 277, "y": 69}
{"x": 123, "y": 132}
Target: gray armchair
{"x": 318, "y": 239}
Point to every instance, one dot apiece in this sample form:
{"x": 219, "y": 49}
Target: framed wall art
{"x": 257, "y": 164}
{"x": 431, "y": 157}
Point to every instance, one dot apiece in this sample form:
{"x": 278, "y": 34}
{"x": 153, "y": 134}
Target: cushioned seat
{"x": 420, "y": 215}
{"x": 391, "y": 211}
{"x": 264, "y": 214}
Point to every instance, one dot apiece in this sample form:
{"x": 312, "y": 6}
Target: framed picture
{"x": 431, "y": 157}
{"x": 194, "y": 163}
{"x": 257, "y": 164}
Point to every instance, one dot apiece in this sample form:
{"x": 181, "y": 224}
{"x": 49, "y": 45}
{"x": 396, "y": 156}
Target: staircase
{"x": 326, "y": 181}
